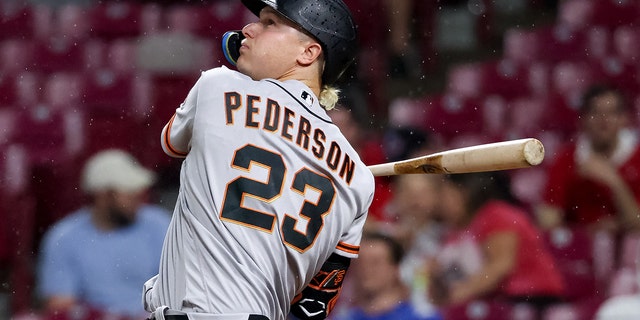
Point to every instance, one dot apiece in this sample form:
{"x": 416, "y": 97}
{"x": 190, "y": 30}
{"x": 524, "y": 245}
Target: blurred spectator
{"x": 350, "y": 119}
{"x": 95, "y": 260}
{"x": 492, "y": 251}
{"x": 379, "y": 293}
{"x": 414, "y": 202}
{"x": 594, "y": 181}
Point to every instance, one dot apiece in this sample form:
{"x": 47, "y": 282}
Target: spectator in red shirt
{"x": 594, "y": 180}
{"x": 492, "y": 251}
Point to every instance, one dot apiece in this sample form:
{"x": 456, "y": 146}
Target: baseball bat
{"x": 504, "y": 155}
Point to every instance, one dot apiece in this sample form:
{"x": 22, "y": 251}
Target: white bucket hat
{"x": 115, "y": 169}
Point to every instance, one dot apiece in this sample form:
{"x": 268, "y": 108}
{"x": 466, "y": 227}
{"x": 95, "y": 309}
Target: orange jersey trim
{"x": 349, "y": 248}
{"x": 167, "y": 140}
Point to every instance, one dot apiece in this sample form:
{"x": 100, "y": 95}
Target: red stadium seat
{"x": 561, "y": 43}
{"x": 526, "y": 117}
{"x": 212, "y": 20}
{"x": 58, "y": 54}
{"x": 506, "y": 78}
{"x": 62, "y": 90}
{"x": 494, "y": 116}
{"x": 614, "y": 13}
{"x": 115, "y": 19}
{"x": 72, "y": 21}
{"x": 626, "y": 43}
{"x": 478, "y": 310}
{"x": 465, "y": 80}
{"x": 573, "y": 252}
{"x": 599, "y": 43}
{"x": 20, "y": 88}
{"x": 521, "y": 46}
{"x": 16, "y": 20}
{"x": 449, "y": 116}
{"x": 575, "y": 14}
{"x": 112, "y": 101}
{"x": 16, "y": 55}
{"x": 17, "y": 230}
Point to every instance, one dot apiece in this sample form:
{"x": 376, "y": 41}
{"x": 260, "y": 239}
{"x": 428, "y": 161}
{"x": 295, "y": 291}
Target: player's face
{"x": 374, "y": 268}
{"x": 271, "y": 47}
{"x": 416, "y": 198}
{"x": 453, "y": 204}
{"x": 123, "y": 207}
{"x": 604, "y": 120}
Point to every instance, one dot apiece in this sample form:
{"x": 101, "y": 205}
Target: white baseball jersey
{"x": 269, "y": 189}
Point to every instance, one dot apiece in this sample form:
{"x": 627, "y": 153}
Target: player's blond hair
{"x": 329, "y": 97}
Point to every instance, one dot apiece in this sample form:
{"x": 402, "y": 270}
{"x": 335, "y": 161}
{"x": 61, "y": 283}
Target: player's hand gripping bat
{"x": 496, "y": 156}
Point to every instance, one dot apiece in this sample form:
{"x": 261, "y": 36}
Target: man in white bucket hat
{"x": 97, "y": 258}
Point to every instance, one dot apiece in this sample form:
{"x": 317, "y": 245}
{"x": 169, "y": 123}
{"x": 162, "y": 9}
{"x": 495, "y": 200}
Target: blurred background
{"x": 79, "y": 76}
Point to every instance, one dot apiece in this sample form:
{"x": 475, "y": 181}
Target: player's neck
{"x": 303, "y": 75}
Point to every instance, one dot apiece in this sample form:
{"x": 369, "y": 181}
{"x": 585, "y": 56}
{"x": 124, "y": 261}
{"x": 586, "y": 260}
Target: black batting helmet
{"x": 329, "y": 21}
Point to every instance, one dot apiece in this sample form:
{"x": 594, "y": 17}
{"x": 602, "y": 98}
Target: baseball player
{"x": 272, "y": 198}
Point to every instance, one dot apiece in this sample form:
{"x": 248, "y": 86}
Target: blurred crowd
{"x": 86, "y": 86}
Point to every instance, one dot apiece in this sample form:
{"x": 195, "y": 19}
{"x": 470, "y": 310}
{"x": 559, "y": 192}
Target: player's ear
{"x": 311, "y": 53}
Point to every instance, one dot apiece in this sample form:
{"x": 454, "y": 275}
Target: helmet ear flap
{"x": 231, "y": 42}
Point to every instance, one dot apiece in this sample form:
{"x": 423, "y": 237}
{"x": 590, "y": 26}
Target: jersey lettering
{"x": 273, "y": 117}
{"x": 304, "y": 181}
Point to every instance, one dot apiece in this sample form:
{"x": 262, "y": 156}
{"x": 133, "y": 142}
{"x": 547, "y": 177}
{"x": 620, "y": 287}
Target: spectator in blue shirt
{"x": 379, "y": 293}
{"x": 97, "y": 258}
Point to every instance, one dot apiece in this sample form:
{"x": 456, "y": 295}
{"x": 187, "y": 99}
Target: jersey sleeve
{"x": 349, "y": 244}
{"x": 176, "y": 134}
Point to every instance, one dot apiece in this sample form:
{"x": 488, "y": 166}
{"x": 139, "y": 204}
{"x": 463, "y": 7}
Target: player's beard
{"x": 120, "y": 218}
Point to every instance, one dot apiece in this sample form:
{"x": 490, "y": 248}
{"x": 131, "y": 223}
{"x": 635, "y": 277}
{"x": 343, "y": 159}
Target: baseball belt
{"x": 185, "y": 317}
{"x": 164, "y": 313}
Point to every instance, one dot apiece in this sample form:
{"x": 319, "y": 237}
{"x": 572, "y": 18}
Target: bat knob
{"x": 534, "y": 152}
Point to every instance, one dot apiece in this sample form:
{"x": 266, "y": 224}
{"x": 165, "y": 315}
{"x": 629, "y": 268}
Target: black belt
{"x": 184, "y": 317}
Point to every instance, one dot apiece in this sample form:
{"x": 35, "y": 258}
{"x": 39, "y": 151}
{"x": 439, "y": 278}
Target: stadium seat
{"x": 449, "y": 115}
{"x": 21, "y": 88}
{"x": 575, "y": 14}
{"x": 565, "y": 311}
{"x": 614, "y": 13}
{"x": 526, "y": 117}
{"x": 16, "y": 20}
{"x": 572, "y": 249}
{"x": 116, "y": 19}
{"x": 626, "y": 45}
{"x": 506, "y": 78}
{"x": 465, "y": 80}
{"x": 62, "y": 90}
{"x": 599, "y": 43}
{"x": 521, "y": 46}
{"x": 17, "y": 211}
{"x": 478, "y": 310}
{"x": 16, "y": 55}
{"x": 527, "y": 185}
{"x": 58, "y": 54}
{"x": 559, "y": 43}
{"x": 212, "y": 20}
{"x": 630, "y": 251}
{"x": 494, "y": 116}
{"x": 72, "y": 21}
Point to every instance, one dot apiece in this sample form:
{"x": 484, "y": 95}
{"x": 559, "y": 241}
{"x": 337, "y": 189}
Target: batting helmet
{"x": 329, "y": 21}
